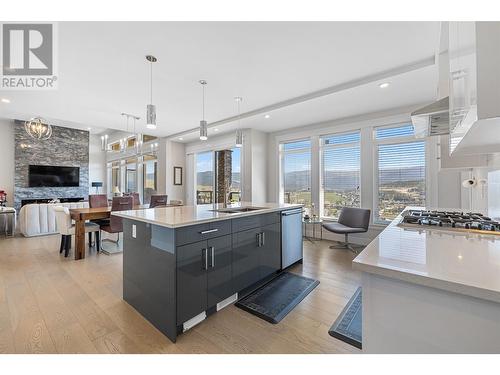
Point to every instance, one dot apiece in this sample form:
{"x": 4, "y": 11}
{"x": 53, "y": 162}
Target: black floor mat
{"x": 348, "y": 326}
{"x": 278, "y": 297}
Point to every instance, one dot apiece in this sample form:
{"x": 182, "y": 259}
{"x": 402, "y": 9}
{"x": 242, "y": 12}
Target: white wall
{"x": 97, "y": 164}
{"x": 175, "y": 157}
{"x": 7, "y": 163}
{"x": 258, "y": 148}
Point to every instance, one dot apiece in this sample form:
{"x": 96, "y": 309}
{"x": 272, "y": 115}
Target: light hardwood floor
{"x": 52, "y": 304}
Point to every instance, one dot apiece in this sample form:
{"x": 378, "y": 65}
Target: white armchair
{"x": 67, "y": 229}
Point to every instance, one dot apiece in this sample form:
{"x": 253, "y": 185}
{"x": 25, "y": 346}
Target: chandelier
{"x": 37, "y": 128}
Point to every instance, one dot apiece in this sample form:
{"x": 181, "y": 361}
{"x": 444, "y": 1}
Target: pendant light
{"x": 138, "y": 136}
{"x": 37, "y": 128}
{"x": 151, "y": 108}
{"x": 123, "y": 141}
{"x": 138, "y": 139}
{"x": 239, "y": 132}
{"x": 203, "y": 123}
{"x": 104, "y": 142}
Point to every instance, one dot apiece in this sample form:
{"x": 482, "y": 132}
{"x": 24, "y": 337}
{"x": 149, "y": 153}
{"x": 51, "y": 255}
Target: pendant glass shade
{"x": 239, "y": 138}
{"x": 37, "y": 128}
{"x": 138, "y": 143}
{"x": 151, "y": 116}
{"x": 203, "y": 130}
{"x": 104, "y": 142}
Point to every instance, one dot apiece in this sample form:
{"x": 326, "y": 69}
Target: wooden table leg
{"x": 79, "y": 239}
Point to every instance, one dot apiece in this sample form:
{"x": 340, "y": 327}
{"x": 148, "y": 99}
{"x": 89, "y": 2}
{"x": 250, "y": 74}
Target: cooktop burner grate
{"x": 451, "y": 219}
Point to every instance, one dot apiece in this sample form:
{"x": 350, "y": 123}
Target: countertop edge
{"x": 423, "y": 280}
{"x": 208, "y": 220}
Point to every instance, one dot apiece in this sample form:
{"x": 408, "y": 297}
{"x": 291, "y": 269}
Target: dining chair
{"x": 116, "y": 223}
{"x": 135, "y": 196}
{"x": 99, "y": 201}
{"x": 67, "y": 229}
{"x": 158, "y": 200}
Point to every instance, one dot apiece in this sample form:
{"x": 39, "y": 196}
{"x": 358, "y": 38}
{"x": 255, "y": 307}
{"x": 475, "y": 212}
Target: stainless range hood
{"x": 433, "y": 119}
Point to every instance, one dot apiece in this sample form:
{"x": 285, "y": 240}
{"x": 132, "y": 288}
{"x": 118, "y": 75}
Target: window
{"x": 205, "y": 177}
{"x": 131, "y": 175}
{"x": 115, "y": 176}
{"x": 296, "y": 172}
{"x": 235, "y": 188}
{"x": 340, "y": 155}
{"x": 150, "y": 177}
{"x": 401, "y": 171}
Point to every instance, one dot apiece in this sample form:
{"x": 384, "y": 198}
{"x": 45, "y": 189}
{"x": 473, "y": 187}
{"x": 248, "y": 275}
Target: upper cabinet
{"x": 474, "y": 53}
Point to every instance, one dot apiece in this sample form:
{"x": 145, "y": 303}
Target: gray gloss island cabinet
{"x": 176, "y": 274}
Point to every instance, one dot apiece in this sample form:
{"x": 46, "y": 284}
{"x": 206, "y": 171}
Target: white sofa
{"x": 40, "y": 219}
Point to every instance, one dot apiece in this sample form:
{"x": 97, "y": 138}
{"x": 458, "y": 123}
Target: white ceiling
{"x": 103, "y": 72}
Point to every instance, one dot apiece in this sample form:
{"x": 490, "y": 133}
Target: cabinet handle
{"x": 209, "y": 231}
{"x": 204, "y": 259}
{"x": 212, "y": 249}
{"x": 262, "y": 238}
{"x": 258, "y": 239}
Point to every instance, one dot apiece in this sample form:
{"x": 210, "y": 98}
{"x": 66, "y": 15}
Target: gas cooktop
{"x": 454, "y": 220}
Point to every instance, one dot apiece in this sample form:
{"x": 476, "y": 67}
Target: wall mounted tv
{"x": 53, "y": 176}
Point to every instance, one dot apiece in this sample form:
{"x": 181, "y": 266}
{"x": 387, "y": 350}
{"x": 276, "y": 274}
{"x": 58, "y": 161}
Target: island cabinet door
{"x": 192, "y": 265}
{"x": 246, "y": 258}
{"x": 220, "y": 270}
{"x": 270, "y": 249}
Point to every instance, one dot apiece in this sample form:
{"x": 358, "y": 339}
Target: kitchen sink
{"x": 236, "y": 210}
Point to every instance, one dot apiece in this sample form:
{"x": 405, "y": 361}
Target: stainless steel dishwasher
{"x": 291, "y": 237}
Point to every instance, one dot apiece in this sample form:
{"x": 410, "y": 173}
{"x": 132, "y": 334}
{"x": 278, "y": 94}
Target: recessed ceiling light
{"x": 89, "y": 128}
{"x": 5, "y": 100}
{"x": 216, "y": 130}
{"x": 180, "y": 138}
{"x": 384, "y": 85}
{"x": 267, "y": 116}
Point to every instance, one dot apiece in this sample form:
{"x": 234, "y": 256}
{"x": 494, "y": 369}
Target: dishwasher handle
{"x": 291, "y": 212}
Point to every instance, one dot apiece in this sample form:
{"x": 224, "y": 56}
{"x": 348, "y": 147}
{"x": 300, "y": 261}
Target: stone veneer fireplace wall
{"x": 67, "y": 147}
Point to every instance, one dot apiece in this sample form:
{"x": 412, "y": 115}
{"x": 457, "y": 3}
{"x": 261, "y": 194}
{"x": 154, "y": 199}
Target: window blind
{"x": 395, "y": 131}
{"x": 401, "y": 172}
{"x": 340, "y": 172}
{"x": 296, "y": 169}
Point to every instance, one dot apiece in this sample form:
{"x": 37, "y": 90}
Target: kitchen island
{"x": 430, "y": 291}
{"x": 183, "y": 263}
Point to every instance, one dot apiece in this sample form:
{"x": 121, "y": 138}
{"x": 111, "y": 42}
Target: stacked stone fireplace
{"x": 66, "y": 147}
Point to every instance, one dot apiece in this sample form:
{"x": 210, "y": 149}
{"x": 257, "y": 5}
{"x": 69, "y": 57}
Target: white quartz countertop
{"x": 181, "y": 216}
{"x": 462, "y": 262}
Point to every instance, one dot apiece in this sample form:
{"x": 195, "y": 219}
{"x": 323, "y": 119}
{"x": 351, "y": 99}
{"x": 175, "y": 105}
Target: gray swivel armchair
{"x": 351, "y": 220}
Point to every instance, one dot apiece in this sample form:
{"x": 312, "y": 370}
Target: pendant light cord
{"x": 203, "y": 102}
{"x": 151, "y": 85}
{"x": 239, "y": 113}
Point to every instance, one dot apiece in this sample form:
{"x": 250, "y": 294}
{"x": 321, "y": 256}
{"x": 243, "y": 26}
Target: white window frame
{"x": 391, "y": 141}
{"x": 322, "y": 148}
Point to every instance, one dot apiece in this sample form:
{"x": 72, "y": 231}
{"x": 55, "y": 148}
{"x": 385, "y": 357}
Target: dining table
{"x": 80, "y": 215}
